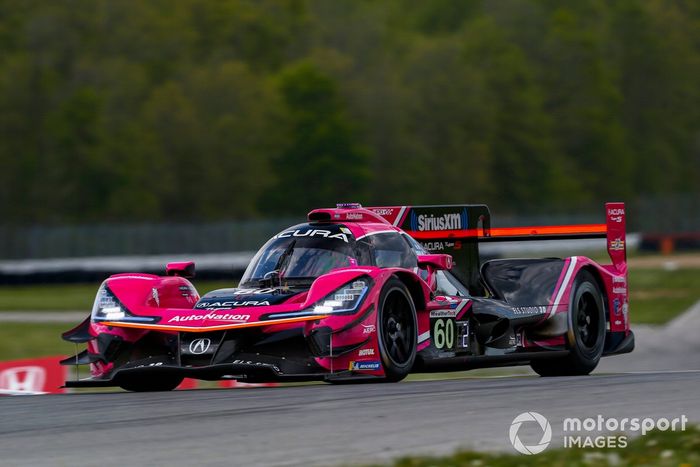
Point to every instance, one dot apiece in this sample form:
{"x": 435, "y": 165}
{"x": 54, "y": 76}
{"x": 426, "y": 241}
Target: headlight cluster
{"x": 108, "y": 308}
{"x": 345, "y": 299}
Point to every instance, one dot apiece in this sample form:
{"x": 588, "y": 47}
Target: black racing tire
{"x": 397, "y": 330}
{"x": 586, "y": 334}
{"x": 151, "y": 384}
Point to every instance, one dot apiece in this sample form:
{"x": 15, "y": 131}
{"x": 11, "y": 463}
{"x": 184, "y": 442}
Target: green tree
{"x": 321, "y": 162}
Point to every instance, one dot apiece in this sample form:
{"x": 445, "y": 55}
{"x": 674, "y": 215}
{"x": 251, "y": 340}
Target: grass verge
{"x": 61, "y": 297}
{"x": 657, "y": 448}
{"x": 658, "y": 295}
{"x": 25, "y": 340}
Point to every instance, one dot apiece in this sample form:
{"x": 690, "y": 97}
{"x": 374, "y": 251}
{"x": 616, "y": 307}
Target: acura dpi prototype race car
{"x": 366, "y": 294}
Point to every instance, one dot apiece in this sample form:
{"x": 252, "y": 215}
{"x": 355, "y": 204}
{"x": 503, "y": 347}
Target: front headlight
{"x": 345, "y": 299}
{"x": 107, "y": 307}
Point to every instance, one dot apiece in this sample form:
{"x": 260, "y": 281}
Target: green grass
{"x": 658, "y": 295}
{"x": 27, "y": 340}
{"x": 59, "y": 297}
{"x": 658, "y": 448}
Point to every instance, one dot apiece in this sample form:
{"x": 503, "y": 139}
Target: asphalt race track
{"x": 320, "y": 424}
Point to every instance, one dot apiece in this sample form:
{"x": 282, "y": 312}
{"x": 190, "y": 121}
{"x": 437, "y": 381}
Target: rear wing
{"x": 458, "y": 229}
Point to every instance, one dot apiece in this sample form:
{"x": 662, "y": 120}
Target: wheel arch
{"x": 414, "y": 289}
{"x": 597, "y": 276}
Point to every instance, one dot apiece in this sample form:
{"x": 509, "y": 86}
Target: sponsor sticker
{"x": 617, "y": 245}
{"x": 443, "y": 313}
{"x": 368, "y": 328}
{"x": 368, "y": 365}
{"x": 616, "y": 306}
{"x": 365, "y": 353}
{"x": 529, "y": 310}
{"x": 231, "y": 304}
{"x": 438, "y": 222}
{"x": 267, "y": 291}
{"x": 443, "y": 222}
{"x": 213, "y": 316}
{"x": 186, "y": 291}
{"x": 313, "y": 233}
{"x": 384, "y": 211}
{"x": 252, "y": 363}
{"x": 616, "y": 214}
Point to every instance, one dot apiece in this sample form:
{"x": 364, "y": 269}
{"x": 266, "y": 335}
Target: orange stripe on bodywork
{"x": 511, "y": 231}
{"x": 433, "y": 234}
{"x": 549, "y": 230}
{"x": 220, "y": 327}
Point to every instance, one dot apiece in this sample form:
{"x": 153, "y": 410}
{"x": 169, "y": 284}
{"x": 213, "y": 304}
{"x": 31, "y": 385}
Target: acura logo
{"x": 199, "y": 346}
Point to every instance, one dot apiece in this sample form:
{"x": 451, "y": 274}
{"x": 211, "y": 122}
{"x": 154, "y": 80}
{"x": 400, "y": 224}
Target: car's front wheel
{"x": 396, "y": 330}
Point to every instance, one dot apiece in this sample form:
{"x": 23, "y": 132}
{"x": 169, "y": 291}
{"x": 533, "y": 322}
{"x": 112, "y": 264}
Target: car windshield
{"x": 301, "y": 254}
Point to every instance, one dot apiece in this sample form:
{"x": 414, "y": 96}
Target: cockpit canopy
{"x": 302, "y": 253}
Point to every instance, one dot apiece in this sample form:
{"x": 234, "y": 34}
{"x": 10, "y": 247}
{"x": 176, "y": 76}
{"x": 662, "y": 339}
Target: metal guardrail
{"x": 39, "y": 242}
{"x": 657, "y": 215}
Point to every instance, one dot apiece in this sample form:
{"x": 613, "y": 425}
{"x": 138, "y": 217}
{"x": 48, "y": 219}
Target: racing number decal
{"x": 444, "y": 333}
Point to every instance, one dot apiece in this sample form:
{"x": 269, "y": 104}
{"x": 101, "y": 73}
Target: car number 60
{"x": 444, "y": 333}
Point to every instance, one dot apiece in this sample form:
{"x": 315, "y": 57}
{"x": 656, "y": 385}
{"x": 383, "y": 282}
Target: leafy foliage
{"x": 211, "y": 109}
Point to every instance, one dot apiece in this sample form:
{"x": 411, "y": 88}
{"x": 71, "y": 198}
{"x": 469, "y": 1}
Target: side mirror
{"x": 438, "y": 262}
{"x": 182, "y": 269}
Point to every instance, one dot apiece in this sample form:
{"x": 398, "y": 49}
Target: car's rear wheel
{"x": 586, "y": 336}
{"x": 396, "y": 330}
{"x": 151, "y": 383}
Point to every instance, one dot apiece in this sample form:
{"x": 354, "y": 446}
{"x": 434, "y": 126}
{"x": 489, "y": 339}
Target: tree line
{"x": 156, "y": 110}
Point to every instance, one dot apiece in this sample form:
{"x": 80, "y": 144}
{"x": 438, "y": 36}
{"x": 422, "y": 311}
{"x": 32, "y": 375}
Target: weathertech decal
{"x": 443, "y": 313}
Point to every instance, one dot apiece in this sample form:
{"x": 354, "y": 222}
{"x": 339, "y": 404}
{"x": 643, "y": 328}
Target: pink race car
{"x": 363, "y": 294}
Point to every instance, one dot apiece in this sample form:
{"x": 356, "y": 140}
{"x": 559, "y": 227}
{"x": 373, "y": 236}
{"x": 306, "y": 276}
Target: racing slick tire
{"x": 152, "y": 384}
{"x": 586, "y": 335}
{"x": 396, "y": 330}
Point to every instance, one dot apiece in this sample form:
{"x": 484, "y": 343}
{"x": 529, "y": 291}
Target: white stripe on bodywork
{"x": 400, "y": 216}
{"x": 374, "y": 233}
{"x": 563, "y": 286}
{"x": 424, "y": 337}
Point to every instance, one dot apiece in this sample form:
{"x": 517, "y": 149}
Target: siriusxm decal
{"x": 437, "y": 222}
